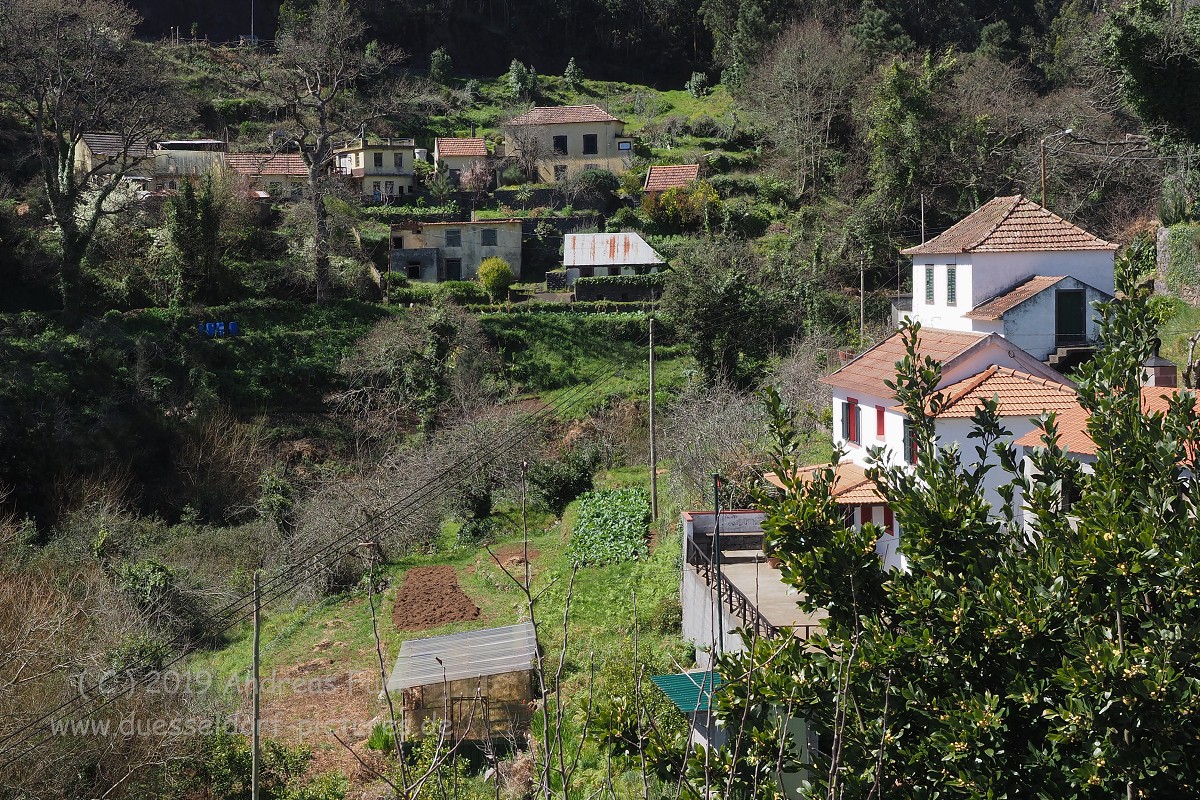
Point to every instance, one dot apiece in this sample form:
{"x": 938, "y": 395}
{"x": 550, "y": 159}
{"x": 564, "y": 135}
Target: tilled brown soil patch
{"x": 429, "y": 597}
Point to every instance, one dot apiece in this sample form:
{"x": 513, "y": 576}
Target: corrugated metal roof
{"x": 492, "y": 651}
{"x": 607, "y": 249}
{"x": 689, "y": 691}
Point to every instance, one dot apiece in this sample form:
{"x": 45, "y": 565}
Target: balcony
{"x": 753, "y": 594}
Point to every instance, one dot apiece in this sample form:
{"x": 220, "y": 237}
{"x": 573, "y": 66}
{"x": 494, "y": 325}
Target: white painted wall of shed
{"x": 472, "y": 252}
{"x": 1031, "y": 325}
{"x": 939, "y": 314}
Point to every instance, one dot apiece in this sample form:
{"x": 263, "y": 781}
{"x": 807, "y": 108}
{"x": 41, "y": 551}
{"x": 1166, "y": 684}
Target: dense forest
{"x": 361, "y": 426}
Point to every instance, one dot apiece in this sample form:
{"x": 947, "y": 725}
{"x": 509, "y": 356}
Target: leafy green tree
{"x": 573, "y": 75}
{"x": 441, "y": 66}
{"x": 496, "y": 276}
{"x": 879, "y": 34}
{"x": 521, "y": 82}
{"x": 734, "y": 311}
{"x": 194, "y": 227}
{"x": 1156, "y": 48}
{"x": 684, "y": 208}
{"x": 1054, "y": 660}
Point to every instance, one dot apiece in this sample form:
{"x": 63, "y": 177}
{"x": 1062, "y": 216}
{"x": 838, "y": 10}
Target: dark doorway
{"x": 454, "y": 269}
{"x": 1070, "y": 318}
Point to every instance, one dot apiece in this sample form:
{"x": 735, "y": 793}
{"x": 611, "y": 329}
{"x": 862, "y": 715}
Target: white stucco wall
{"x": 1032, "y": 325}
{"x": 940, "y": 314}
{"x": 993, "y": 273}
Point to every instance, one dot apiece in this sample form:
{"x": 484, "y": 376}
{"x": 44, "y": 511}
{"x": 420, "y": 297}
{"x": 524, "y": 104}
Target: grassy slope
{"x": 599, "y": 623}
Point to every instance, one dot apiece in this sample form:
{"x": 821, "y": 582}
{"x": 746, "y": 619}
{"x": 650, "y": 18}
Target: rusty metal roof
{"x": 607, "y": 249}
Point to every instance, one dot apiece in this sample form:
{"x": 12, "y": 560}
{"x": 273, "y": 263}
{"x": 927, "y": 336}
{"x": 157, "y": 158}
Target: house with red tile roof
{"x": 661, "y": 177}
{"x": 458, "y": 154}
{"x": 1014, "y": 268}
{"x": 562, "y": 141}
{"x": 278, "y": 174}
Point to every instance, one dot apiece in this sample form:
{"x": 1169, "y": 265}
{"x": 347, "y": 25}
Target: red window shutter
{"x": 878, "y": 422}
{"x": 852, "y": 411}
{"x": 888, "y": 518}
{"x": 865, "y": 514}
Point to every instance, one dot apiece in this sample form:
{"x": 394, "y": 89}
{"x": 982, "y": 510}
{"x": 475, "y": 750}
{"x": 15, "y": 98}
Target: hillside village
{"x": 373, "y": 428}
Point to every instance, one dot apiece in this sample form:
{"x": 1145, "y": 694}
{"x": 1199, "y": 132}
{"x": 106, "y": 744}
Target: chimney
{"x": 1158, "y": 371}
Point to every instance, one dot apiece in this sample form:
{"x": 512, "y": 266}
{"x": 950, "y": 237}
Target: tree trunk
{"x": 70, "y": 277}
{"x": 321, "y": 247}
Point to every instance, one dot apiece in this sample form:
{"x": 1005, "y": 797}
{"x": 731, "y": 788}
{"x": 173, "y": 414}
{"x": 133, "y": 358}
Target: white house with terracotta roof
{"x": 1016, "y": 269}
{"x": 458, "y": 154}
{"x": 378, "y": 170}
{"x": 567, "y": 140}
{"x": 661, "y": 177}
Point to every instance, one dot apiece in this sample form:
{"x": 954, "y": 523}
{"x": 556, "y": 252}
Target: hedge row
{"x": 654, "y": 280}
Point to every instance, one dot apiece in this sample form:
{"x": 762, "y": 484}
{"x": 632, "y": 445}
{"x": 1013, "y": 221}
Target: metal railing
{"x": 698, "y": 555}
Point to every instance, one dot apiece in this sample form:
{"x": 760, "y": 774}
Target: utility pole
{"x": 255, "y": 757}
{"x": 653, "y": 444}
{"x": 717, "y": 562}
{"x": 923, "y": 217}
{"x": 1042, "y": 153}
{"x": 862, "y": 297}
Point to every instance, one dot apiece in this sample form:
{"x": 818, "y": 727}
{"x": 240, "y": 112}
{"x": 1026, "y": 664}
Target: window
{"x": 889, "y": 519}
{"x": 454, "y": 269}
{"x": 454, "y": 238}
{"x": 929, "y": 284}
{"x": 397, "y": 242}
{"x": 560, "y": 172}
{"x": 951, "y": 285}
{"x": 455, "y": 177}
{"x": 624, "y": 145}
{"x": 910, "y": 443}
{"x": 851, "y": 421}
{"x": 398, "y": 160}
{"x": 487, "y": 237}
{"x": 358, "y": 159}
{"x": 866, "y": 513}
{"x": 591, "y": 166}
{"x": 378, "y": 158}
{"x": 375, "y": 189}
{"x": 560, "y": 145}
{"x": 879, "y": 417}
{"x": 389, "y": 188}
{"x": 414, "y": 270}
{"x": 590, "y": 145}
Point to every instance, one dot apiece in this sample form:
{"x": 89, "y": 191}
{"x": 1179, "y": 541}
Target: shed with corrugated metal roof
{"x": 477, "y": 685}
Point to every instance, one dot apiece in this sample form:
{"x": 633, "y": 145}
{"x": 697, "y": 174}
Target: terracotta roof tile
{"x": 461, "y": 147}
{"x": 868, "y": 372}
{"x": 1019, "y": 394}
{"x": 267, "y": 164}
{"x": 995, "y": 307}
{"x": 1072, "y": 422}
{"x": 1011, "y": 225}
{"x": 560, "y": 115}
{"x": 851, "y": 486}
{"x": 663, "y": 177}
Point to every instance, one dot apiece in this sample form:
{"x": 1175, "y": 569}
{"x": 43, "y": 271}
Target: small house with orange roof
{"x": 278, "y": 174}
{"x": 659, "y": 178}
{"x": 458, "y": 154}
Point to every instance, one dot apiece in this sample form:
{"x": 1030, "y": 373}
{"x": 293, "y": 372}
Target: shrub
{"x": 611, "y": 527}
{"x": 654, "y": 280}
{"x": 626, "y": 218}
{"x": 477, "y": 530}
{"x": 597, "y": 180}
{"x": 461, "y": 292}
{"x": 697, "y": 85}
{"x": 555, "y": 483}
{"x": 1183, "y": 247}
{"x": 572, "y": 75}
{"x": 441, "y": 66}
{"x": 521, "y": 82}
{"x": 495, "y": 276}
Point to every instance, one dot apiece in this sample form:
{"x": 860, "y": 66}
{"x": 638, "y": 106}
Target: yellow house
{"x": 105, "y": 152}
{"x": 559, "y": 142}
{"x": 378, "y": 170}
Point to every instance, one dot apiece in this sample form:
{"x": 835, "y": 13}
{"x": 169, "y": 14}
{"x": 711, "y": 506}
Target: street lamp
{"x": 1042, "y": 148}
